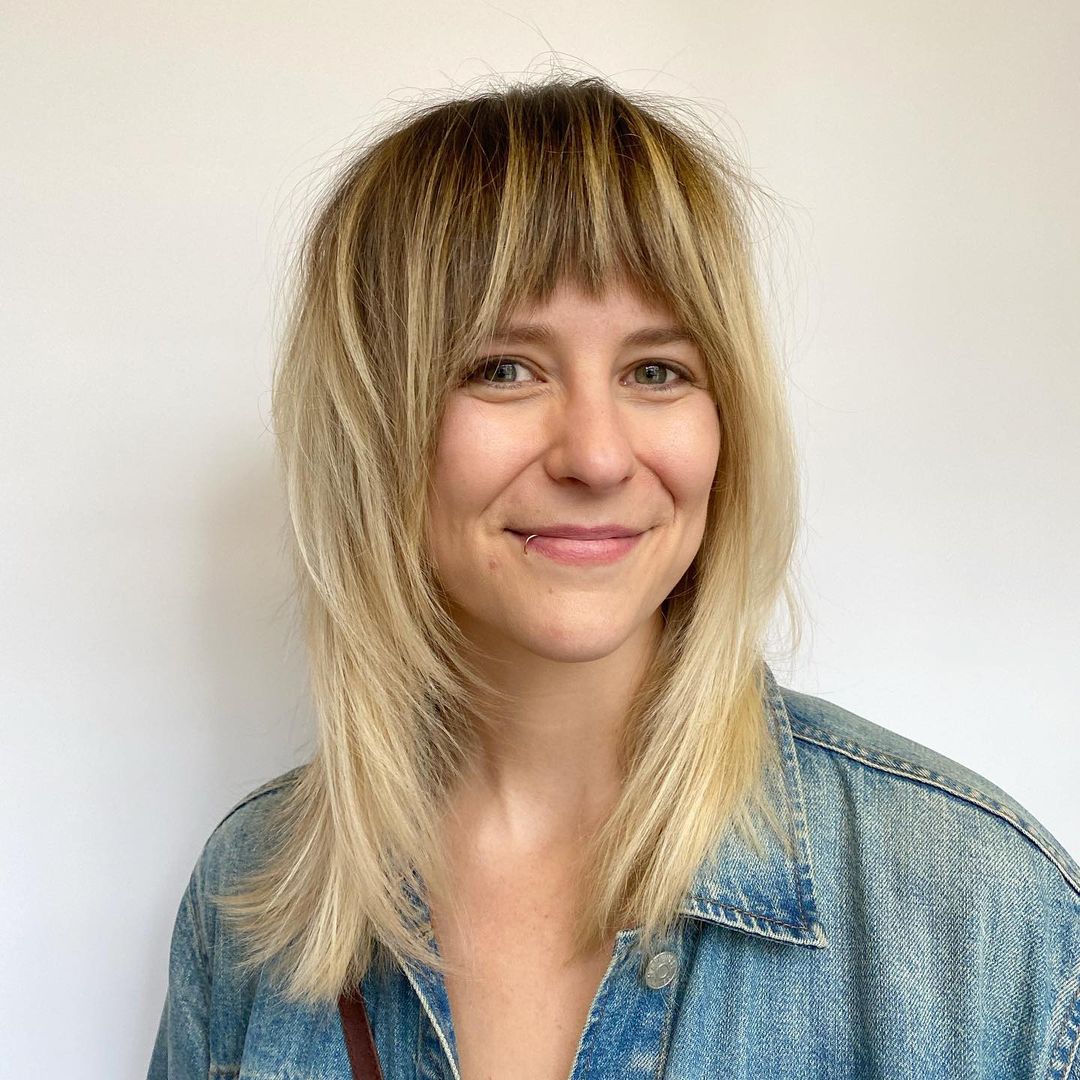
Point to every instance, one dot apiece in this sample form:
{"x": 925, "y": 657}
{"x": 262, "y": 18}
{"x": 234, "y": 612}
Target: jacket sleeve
{"x": 182, "y": 1047}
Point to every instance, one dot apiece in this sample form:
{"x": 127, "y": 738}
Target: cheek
{"x": 475, "y": 457}
{"x": 687, "y": 455}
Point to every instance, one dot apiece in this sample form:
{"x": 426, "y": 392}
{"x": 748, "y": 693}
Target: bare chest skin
{"x": 518, "y": 1007}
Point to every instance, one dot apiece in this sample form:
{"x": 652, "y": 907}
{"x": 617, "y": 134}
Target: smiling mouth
{"x": 578, "y": 532}
{"x": 576, "y": 551}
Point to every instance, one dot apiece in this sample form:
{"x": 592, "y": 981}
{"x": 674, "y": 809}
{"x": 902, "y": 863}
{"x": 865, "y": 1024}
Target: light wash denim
{"x": 929, "y": 927}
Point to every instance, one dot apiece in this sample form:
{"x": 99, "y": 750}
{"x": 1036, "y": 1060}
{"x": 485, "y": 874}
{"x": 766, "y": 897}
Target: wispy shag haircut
{"x": 432, "y": 233}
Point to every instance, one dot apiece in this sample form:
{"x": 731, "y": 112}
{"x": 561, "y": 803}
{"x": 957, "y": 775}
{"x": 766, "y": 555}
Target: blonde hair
{"x": 464, "y": 209}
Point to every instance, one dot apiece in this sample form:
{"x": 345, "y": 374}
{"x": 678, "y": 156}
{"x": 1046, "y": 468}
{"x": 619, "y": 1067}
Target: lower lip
{"x": 580, "y": 552}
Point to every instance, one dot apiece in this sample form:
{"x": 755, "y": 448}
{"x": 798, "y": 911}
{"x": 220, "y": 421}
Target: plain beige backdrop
{"x": 924, "y": 283}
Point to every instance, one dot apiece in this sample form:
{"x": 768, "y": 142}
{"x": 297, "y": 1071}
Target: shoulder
{"x": 246, "y": 833}
{"x": 250, "y": 812}
{"x": 949, "y": 874}
{"x": 237, "y": 847}
{"x": 211, "y": 990}
{"x": 921, "y": 777}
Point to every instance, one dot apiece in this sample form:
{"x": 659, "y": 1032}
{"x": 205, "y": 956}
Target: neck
{"x": 547, "y": 771}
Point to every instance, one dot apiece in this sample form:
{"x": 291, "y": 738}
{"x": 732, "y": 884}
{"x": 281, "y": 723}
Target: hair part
{"x": 463, "y": 210}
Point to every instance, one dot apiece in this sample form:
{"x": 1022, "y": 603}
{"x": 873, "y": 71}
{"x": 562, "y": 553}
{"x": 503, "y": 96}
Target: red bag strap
{"x": 363, "y": 1057}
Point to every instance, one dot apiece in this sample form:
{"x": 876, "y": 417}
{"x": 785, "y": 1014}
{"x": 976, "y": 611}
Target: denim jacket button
{"x": 661, "y": 970}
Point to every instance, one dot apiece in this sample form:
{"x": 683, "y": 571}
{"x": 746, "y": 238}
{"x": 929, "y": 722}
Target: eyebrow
{"x": 543, "y": 334}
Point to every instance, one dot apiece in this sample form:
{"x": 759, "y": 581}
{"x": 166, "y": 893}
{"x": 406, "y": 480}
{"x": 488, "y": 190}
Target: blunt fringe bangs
{"x": 428, "y": 236}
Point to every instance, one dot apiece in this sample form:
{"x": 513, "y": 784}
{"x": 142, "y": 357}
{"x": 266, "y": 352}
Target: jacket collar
{"x": 771, "y": 896}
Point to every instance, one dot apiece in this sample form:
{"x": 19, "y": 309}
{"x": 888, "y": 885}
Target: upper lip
{"x": 578, "y": 532}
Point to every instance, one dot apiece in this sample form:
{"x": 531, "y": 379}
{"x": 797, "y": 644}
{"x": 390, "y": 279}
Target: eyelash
{"x": 501, "y": 361}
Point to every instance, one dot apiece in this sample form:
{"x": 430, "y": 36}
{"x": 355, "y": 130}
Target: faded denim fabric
{"x": 928, "y": 928}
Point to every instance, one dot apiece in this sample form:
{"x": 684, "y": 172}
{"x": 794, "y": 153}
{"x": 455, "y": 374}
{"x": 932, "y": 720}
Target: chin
{"x": 572, "y": 641}
{"x": 574, "y": 652}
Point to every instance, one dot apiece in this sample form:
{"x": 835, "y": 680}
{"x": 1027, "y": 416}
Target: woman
{"x": 561, "y": 820}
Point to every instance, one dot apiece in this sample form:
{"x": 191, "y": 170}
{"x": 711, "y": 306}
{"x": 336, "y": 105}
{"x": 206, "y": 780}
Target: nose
{"x": 589, "y": 438}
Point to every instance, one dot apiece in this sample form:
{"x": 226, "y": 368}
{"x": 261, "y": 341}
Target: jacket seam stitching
{"x": 1072, "y": 1059}
{"x": 1070, "y": 1034}
{"x": 751, "y": 914}
{"x": 794, "y": 805}
{"x": 900, "y": 767}
{"x": 194, "y": 901}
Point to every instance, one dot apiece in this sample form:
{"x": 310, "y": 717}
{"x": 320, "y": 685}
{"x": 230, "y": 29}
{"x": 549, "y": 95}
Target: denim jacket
{"x": 928, "y": 927}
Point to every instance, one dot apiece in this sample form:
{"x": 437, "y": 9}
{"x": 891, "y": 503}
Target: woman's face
{"x": 580, "y": 425}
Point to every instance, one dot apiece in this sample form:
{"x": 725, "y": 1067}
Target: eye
{"x": 488, "y": 373}
{"x": 657, "y": 368}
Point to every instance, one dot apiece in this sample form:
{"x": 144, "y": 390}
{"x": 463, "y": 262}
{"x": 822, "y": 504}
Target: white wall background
{"x": 154, "y": 157}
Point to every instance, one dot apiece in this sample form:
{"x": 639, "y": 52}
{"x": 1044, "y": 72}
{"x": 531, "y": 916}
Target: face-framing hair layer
{"x": 436, "y": 229}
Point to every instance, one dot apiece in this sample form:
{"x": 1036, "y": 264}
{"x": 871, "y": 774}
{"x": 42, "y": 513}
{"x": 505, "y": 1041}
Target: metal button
{"x": 661, "y": 970}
